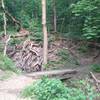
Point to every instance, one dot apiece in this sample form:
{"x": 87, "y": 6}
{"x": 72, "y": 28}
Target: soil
{"x": 10, "y": 89}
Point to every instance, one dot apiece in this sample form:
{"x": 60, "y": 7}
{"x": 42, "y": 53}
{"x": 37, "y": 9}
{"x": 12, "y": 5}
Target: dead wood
{"x": 20, "y": 35}
{"x": 51, "y": 73}
{"x": 97, "y": 82}
{"x": 28, "y": 58}
{"x": 7, "y": 39}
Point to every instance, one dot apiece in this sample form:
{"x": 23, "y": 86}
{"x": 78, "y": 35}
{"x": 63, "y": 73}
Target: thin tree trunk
{"x": 55, "y": 16}
{"x": 5, "y": 27}
{"x": 45, "y": 44}
{"x": 4, "y": 17}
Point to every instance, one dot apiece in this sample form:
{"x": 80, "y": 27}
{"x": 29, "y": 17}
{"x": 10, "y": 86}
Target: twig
{"x": 97, "y": 82}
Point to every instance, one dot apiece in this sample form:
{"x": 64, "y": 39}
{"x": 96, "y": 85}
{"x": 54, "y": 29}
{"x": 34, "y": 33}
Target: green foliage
{"x": 54, "y": 89}
{"x": 86, "y": 87}
{"x": 84, "y": 25}
{"x": 66, "y": 57}
{"x": 1, "y": 20}
{"x": 34, "y": 25}
{"x": 14, "y": 41}
{"x": 37, "y": 36}
{"x": 25, "y": 20}
{"x": 64, "y": 54}
{"x": 1, "y": 47}
{"x": 7, "y": 64}
{"x": 89, "y": 11}
{"x": 96, "y": 67}
{"x": 24, "y": 11}
{"x": 83, "y": 48}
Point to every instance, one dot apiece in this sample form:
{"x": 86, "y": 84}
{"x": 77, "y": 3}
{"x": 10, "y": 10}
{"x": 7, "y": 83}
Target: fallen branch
{"x": 97, "y": 82}
{"x": 20, "y": 35}
{"x": 50, "y": 73}
{"x": 34, "y": 51}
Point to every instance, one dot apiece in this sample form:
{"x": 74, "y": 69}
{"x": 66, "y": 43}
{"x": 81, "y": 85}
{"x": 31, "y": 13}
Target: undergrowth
{"x": 83, "y": 49}
{"x": 66, "y": 57}
{"x": 6, "y": 64}
{"x": 96, "y": 67}
{"x": 54, "y": 89}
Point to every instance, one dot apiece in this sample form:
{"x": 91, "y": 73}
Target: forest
{"x": 49, "y": 49}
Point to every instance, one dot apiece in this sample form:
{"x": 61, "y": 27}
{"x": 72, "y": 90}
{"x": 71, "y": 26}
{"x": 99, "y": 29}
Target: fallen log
{"x": 52, "y": 73}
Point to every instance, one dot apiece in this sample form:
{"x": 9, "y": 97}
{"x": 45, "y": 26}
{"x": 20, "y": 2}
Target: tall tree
{"x": 5, "y": 26}
{"x": 4, "y": 17}
{"x": 45, "y": 43}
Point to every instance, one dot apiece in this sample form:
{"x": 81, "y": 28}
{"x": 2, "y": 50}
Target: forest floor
{"x": 11, "y": 87}
{"x": 62, "y": 55}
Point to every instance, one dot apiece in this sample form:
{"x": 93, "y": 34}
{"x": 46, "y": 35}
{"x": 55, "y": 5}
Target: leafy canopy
{"x": 90, "y": 11}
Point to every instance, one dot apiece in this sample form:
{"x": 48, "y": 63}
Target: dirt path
{"x": 10, "y": 88}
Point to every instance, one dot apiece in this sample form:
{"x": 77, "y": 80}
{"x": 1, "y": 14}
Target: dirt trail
{"x": 10, "y": 89}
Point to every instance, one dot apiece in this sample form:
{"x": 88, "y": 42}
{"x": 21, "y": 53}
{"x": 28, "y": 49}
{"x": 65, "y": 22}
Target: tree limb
{"x": 97, "y": 82}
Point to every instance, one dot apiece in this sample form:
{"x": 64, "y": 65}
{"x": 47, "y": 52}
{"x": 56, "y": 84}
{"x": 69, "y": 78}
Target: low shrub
{"x": 83, "y": 49}
{"x": 37, "y": 36}
{"x": 54, "y": 89}
{"x": 66, "y": 57}
{"x": 13, "y": 42}
{"x": 96, "y": 68}
{"x": 7, "y": 64}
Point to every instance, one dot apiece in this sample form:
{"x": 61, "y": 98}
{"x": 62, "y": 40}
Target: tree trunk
{"x": 52, "y": 73}
{"x": 45, "y": 44}
{"x": 5, "y": 26}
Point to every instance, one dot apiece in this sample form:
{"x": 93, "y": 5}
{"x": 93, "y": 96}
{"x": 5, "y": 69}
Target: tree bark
{"x": 5, "y": 26}
{"x": 4, "y": 17}
{"x": 52, "y": 73}
{"x": 45, "y": 43}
